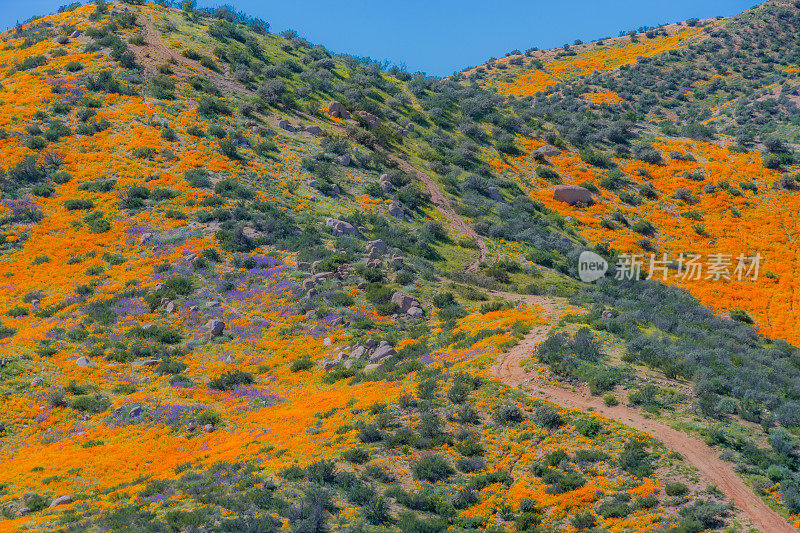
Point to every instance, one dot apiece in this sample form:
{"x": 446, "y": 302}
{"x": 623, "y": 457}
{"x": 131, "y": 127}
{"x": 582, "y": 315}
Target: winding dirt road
{"x": 509, "y": 370}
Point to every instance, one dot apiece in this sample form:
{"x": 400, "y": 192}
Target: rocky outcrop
{"x": 340, "y": 227}
{"x": 572, "y": 194}
{"x": 337, "y": 110}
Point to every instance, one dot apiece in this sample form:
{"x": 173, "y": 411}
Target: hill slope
{"x": 253, "y": 285}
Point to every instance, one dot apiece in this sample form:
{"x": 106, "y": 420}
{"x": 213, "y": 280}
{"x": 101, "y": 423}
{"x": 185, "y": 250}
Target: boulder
{"x": 370, "y": 343}
{"x": 608, "y": 314}
{"x": 308, "y": 284}
{"x": 35, "y": 382}
{"x": 343, "y": 160}
{"x": 572, "y": 194}
{"x": 547, "y": 151}
{"x": 384, "y": 182}
{"x": 337, "y": 110}
{"x": 82, "y": 361}
{"x": 376, "y": 246}
{"x": 310, "y": 314}
{"x": 415, "y": 312}
{"x": 215, "y": 327}
{"x": 75, "y": 34}
{"x": 150, "y": 362}
{"x": 395, "y": 209}
{"x": 372, "y": 367}
{"x": 285, "y": 125}
{"x": 136, "y": 411}
{"x": 358, "y": 352}
{"x": 340, "y": 227}
{"x": 304, "y": 266}
{"x": 330, "y": 364}
{"x": 371, "y": 120}
{"x": 170, "y": 307}
{"x": 314, "y": 130}
{"x": 374, "y": 263}
{"x": 397, "y": 261}
{"x": 383, "y": 351}
{"x": 61, "y": 500}
{"x": 404, "y": 301}
{"x": 145, "y": 237}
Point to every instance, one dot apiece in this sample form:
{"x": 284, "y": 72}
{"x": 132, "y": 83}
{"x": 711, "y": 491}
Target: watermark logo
{"x": 689, "y": 267}
{"x": 591, "y": 267}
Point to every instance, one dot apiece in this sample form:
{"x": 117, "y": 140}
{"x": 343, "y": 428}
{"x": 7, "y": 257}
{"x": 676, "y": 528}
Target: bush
{"x": 508, "y": 414}
{"x": 433, "y": 468}
{"x": 588, "y": 427}
{"x": 301, "y": 364}
{"x": 356, "y": 455}
{"x": 547, "y": 416}
{"x": 675, "y": 489}
{"x": 231, "y": 380}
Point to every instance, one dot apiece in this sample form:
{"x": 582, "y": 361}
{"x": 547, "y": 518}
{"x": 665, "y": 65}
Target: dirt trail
{"x": 444, "y": 207}
{"x": 716, "y": 471}
{"x": 155, "y": 53}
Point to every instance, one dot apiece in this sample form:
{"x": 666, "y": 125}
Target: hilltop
{"x": 252, "y": 285}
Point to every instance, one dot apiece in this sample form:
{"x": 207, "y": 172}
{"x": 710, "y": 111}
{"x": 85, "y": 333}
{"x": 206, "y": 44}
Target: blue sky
{"x": 443, "y": 36}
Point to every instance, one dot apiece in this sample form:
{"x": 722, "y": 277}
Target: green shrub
{"x": 302, "y": 363}
{"x": 231, "y": 380}
{"x": 356, "y": 455}
{"x": 675, "y": 489}
{"x": 432, "y": 468}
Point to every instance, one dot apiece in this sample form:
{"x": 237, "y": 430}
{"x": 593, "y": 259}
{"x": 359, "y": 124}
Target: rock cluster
{"x": 370, "y": 350}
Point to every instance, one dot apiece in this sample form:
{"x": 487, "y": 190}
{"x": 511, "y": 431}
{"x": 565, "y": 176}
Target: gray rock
{"x": 314, "y": 130}
{"x": 370, "y": 343}
{"x": 82, "y": 361}
{"x": 395, "y": 209}
{"x": 335, "y": 190}
{"x": 371, "y": 120}
{"x": 308, "y": 284}
{"x": 547, "y": 151}
{"x": 383, "y": 351}
{"x": 35, "y": 382}
{"x": 330, "y": 364}
{"x": 170, "y": 307}
{"x": 212, "y": 303}
{"x": 135, "y": 412}
{"x": 404, "y": 301}
{"x": 372, "y": 367}
{"x": 374, "y": 263}
{"x": 343, "y": 160}
{"x": 384, "y": 182}
{"x": 376, "y": 245}
{"x": 208, "y": 428}
{"x": 415, "y": 312}
{"x": 309, "y": 315}
{"x": 145, "y": 237}
{"x": 572, "y": 194}
{"x": 75, "y": 34}
{"x": 607, "y": 314}
{"x": 61, "y": 500}
{"x": 397, "y": 261}
{"x": 215, "y": 327}
{"x": 285, "y": 125}
{"x": 149, "y": 362}
{"x": 337, "y": 110}
{"x": 358, "y": 352}
{"x": 340, "y": 227}
{"x": 304, "y": 266}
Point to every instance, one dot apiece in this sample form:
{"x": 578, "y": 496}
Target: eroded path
{"x": 510, "y": 371}
{"x": 444, "y": 207}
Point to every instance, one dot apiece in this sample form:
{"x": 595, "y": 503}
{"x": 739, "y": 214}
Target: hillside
{"x": 251, "y": 285}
